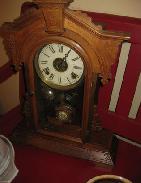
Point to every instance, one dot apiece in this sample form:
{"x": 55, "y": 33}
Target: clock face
{"x": 59, "y": 66}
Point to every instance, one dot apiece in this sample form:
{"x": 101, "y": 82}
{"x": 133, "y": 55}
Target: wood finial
{"x": 43, "y": 3}
{"x": 53, "y": 13}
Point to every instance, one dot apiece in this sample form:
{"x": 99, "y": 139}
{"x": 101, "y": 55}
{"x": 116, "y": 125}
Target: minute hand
{"x": 66, "y": 55}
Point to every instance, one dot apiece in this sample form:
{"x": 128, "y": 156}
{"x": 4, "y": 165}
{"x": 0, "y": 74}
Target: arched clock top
{"x": 52, "y": 17}
{"x": 53, "y": 46}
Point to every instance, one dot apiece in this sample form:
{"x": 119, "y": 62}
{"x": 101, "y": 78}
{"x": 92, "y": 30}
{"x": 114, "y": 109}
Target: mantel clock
{"x": 60, "y": 55}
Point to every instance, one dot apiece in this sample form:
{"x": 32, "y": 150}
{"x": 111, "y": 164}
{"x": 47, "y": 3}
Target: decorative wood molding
{"x": 34, "y": 20}
{"x": 100, "y": 40}
{"x": 97, "y": 154}
{"x": 46, "y": 2}
{"x": 54, "y": 19}
{"x": 9, "y": 40}
{"x": 53, "y": 14}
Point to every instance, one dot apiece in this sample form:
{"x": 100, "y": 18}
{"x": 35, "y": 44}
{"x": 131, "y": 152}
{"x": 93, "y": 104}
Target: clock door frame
{"x": 28, "y": 54}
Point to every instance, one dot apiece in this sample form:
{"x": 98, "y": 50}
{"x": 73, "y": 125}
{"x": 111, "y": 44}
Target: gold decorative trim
{"x": 107, "y": 177}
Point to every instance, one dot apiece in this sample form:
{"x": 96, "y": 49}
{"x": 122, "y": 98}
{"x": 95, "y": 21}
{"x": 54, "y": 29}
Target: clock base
{"x": 99, "y": 154}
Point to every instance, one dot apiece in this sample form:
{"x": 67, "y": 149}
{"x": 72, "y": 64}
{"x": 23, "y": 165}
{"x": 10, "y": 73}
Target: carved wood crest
{"x": 53, "y": 18}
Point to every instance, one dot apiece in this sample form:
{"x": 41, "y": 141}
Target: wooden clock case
{"x": 49, "y": 21}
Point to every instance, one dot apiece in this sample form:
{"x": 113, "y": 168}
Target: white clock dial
{"x": 59, "y": 66}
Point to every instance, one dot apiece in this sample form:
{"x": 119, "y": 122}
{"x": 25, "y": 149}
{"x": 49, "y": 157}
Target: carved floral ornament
{"x": 104, "y": 44}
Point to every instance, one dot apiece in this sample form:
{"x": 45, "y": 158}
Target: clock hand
{"x": 64, "y": 62}
{"x": 66, "y": 55}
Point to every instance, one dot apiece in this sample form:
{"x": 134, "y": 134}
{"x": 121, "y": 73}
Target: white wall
{"x": 10, "y": 9}
{"x": 131, "y": 8}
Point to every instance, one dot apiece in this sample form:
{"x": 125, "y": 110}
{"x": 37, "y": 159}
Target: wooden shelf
{"x": 65, "y": 144}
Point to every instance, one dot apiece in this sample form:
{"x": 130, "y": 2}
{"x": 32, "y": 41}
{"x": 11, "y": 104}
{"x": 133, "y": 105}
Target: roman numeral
{"x": 59, "y": 79}
{"x": 60, "y": 48}
{"x": 46, "y": 70}
{"x": 44, "y": 62}
{"x": 68, "y": 80}
{"x": 51, "y": 76}
{"x": 76, "y": 58}
{"x": 45, "y": 54}
{"x": 51, "y": 49}
{"x": 77, "y": 67}
{"x": 74, "y": 75}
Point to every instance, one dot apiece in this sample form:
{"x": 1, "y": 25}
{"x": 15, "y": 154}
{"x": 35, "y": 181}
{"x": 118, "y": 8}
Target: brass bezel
{"x": 50, "y": 84}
